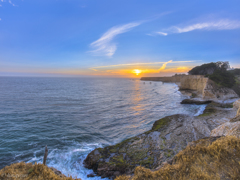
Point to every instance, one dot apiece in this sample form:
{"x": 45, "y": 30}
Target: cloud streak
{"x": 11, "y": 2}
{"x": 223, "y": 24}
{"x": 105, "y": 45}
{"x": 164, "y": 66}
{"x": 133, "y": 64}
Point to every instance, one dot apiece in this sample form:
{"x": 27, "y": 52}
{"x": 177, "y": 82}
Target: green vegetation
{"x": 223, "y": 78}
{"x": 217, "y": 72}
{"x": 204, "y": 69}
{"x": 160, "y": 123}
{"x": 235, "y": 72}
{"x": 212, "y": 158}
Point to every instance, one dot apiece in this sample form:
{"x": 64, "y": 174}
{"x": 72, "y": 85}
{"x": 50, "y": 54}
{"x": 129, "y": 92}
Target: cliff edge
{"x": 153, "y": 148}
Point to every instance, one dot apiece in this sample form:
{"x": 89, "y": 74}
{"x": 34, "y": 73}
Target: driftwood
{"x": 45, "y": 155}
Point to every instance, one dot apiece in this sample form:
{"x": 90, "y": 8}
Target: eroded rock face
{"x": 151, "y": 149}
{"x": 227, "y": 129}
{"x": 206, "y": 88}
{"x": 236, "y": 104}
{"x": 193, "y": 82}
{"x": 238, "y": 112}
{"x": 214, "y": 92}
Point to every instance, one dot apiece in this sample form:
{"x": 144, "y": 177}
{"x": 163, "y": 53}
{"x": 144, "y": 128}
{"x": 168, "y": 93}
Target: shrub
{"x": 223, "y": 78}
{"x": 203, "y": 69}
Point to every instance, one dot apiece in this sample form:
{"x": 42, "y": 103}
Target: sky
{"x": 116, "y": 38}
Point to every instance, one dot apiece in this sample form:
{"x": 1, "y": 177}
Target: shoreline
{"x": 154, "y": 148}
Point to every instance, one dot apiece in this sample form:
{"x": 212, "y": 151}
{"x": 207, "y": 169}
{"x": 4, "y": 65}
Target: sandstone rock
{"x": 236, "y": 104}
{"x": 214, "y": 92}
{"x": 238, "y": 112}
{"x": 236, "y": 119}
{"x": 151, "y": 149}
{"x": 227, "y": 129}
{"x": 193, "y": 82}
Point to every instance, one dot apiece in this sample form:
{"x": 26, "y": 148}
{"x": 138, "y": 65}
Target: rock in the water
{"x": 91, "y": 175}
{"x": 227, "y": 129}
{"x": 193, "y": 101}
{"x": 167, "y": 137}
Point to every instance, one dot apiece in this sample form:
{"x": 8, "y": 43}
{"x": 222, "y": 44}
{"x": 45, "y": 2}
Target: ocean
{"x": 73, "y": 116}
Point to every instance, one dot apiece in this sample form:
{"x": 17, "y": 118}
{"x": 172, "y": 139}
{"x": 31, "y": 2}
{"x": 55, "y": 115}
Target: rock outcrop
{"x": 194, "y": 101}
{"x": 215, "y": 158}
{"x": 206, "y": 88}
{"x": 202, "y": 86}
{"x": 151, "y": 149}
{"x": 227, "y": 129}
{"x": 193, "y": 82}
{"x": 236, "y": 104}
{"x": 214, "y": 92}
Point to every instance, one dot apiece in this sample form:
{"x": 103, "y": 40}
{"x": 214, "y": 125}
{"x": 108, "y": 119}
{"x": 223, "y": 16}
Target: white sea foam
{"x": 201, "y": 109}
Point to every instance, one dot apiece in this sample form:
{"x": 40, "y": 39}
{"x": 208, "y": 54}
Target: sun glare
{"x": 137, "y": 71}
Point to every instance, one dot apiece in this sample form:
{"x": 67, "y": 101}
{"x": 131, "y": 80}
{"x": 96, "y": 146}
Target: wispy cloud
{"x": 223, "y": 24}
{"x": 105, "y": 45}
{"x": 162, "y": 33}
{"x": 11, "y": 2}
{"x": 164, "y": 66}
{"x": 135, "y": 64}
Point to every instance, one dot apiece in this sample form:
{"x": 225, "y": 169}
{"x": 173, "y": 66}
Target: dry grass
{"x": 202, "y": 160}
{"x": 28, "y": 171}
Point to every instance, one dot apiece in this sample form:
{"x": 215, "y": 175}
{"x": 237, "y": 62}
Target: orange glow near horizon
{"x": 137, "y": 71}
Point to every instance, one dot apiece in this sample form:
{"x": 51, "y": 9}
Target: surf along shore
{"x": 177, "y": 147}
{"x": 159, "y": 147}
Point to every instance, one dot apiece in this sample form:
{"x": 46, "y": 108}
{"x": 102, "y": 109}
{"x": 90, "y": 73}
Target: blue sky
{"x": 113, "y": 38}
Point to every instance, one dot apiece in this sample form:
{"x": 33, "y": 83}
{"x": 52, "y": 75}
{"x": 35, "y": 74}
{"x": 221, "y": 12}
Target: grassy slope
{"x": 207, "y": 158}
{"x": 28, "y": 171}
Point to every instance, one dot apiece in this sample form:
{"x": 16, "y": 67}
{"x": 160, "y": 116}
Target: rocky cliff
{"x": 201, "y": 86}
{"x": 151, "y": 149}
{"x": 212, "y": 158}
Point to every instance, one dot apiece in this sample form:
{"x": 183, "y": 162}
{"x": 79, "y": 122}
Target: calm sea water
{"x": 73, "y": 116}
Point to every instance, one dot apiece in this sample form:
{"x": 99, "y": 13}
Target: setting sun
{"x": 137, "y": 71}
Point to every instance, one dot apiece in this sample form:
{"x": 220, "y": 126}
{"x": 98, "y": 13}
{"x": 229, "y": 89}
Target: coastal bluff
{"x": 198, "y": 85}
{"x": 158, "y": 146}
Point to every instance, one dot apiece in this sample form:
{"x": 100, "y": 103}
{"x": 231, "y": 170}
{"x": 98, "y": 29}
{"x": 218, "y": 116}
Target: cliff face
{"x": 214, "y": 92}
{"x": 193, "y": 82}
{"x": 206, "y": 88}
